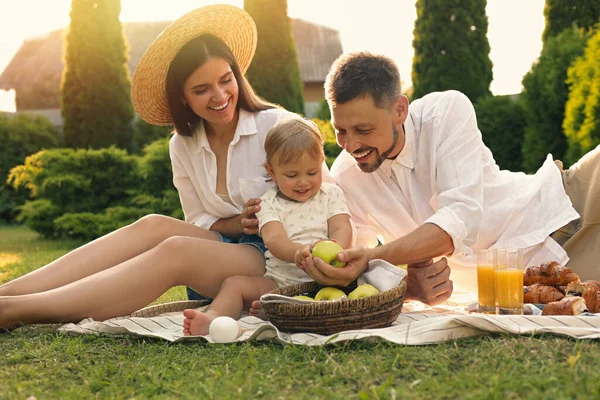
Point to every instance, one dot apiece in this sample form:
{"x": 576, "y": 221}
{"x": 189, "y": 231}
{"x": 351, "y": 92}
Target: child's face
{"x": 298, "y": 180}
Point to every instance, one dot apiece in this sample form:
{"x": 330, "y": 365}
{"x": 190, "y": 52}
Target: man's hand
{"x": 301, "y": 254}
{"x": 248, "y": 220}
{"x": 429, "y": 282}
{"x": 356, "y": 263}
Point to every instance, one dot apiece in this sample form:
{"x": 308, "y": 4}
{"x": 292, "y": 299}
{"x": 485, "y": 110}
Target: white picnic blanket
{"x": 416, "y": 325}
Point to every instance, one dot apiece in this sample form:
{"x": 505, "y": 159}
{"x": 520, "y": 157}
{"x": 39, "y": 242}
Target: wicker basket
{"x": 326, "y": 318}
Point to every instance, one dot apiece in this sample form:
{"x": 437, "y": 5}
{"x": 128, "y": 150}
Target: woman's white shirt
{"x": 195, "y": 168}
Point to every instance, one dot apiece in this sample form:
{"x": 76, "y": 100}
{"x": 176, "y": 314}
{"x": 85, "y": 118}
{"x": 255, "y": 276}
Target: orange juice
{"x": 485, "y": 285}
{"x": 509, "y": 288}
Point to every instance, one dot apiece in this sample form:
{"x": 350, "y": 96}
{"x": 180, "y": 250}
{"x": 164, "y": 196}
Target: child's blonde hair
{"x": 291, "y": 138}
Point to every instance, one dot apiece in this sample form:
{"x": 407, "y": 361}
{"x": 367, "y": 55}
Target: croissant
{"x": 589, "y": 290}
{"x": 591, "y": 283}
{"x": 566, "y": 306}
{"x": 549, "y": 273}
{"x": 541, "y": 294}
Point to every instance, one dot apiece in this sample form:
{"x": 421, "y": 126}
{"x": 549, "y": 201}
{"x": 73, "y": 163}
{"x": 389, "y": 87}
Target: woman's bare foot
{"x": 7, "y": 323}
{"x": 257, "y": 311}
{"x": 196, "y": 322}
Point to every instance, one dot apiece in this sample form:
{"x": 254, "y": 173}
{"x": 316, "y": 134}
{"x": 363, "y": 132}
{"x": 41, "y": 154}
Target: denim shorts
{"x": 252, "y": 240}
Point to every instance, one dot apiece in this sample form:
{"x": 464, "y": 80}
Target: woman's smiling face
{"x": 211, "y": 91}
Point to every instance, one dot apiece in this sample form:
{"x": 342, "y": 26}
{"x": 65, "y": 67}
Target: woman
{"x": 217, "y": 155}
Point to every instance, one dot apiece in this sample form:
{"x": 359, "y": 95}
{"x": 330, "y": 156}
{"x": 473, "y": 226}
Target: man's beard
{"x": 380, "y": 158}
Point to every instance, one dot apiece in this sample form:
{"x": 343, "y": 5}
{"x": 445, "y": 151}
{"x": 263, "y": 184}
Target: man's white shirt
{"x": 445, "y": 175}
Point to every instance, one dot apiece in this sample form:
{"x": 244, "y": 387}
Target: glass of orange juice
{"x": 508, "y": 281}
{"x": 486, "y": 294}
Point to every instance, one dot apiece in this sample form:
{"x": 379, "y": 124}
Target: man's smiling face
{"x": 368, "y": 133}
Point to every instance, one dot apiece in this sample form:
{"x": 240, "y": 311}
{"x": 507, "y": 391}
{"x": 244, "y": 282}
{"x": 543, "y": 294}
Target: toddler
{"x": 299, "y": 212}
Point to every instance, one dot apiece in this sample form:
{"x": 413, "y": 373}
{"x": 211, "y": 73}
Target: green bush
{"x": 39, "y": 215}
{"x": 545, "y": 94}
{"x": 582, "y": 113}
{"x": 79, "y": 180}
{"x": 458, "y": 58}
{"x": 563, "y": 14}
{"x": 20, "y": 136}
{"x": 501, "y": 121}
{"x": 74, "y": 181}
{"x": 89, "y": 226}
{"x": 323, "y": 112}
{"x": 274, "y": 73}
{"x": 84, "y": 194}
{"x": 95, "y": 89}
{"x": 145, "y": 133}
{"x": 155, "y": 167}
{"x": 330, "y": 146}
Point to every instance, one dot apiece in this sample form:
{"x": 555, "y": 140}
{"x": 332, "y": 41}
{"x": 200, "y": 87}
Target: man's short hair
{"x": 359, "y": 74}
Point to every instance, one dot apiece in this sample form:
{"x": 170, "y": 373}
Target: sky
{"x": 380, "y": 26}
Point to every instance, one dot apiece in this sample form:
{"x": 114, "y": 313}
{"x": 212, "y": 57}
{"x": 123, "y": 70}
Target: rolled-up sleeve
{"x": 192, "y": 206}
{"x": 459, "y": 174}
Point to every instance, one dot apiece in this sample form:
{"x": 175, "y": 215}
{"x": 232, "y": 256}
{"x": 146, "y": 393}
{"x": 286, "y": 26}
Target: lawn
{"x": 37, "y": 361}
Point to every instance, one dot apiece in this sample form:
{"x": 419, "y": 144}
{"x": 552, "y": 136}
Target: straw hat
{"x": 232, "y": 25}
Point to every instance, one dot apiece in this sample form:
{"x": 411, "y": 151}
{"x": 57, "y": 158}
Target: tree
{"x": 545, "y": 94}
{"x": 582, "y": 113}
{"x": 458, "y": 58}
{"x": 562, "y": 14}
{"x": 501, "y": 121}
{"x": 95, "y": 88}
{"x": 274, "y": 73}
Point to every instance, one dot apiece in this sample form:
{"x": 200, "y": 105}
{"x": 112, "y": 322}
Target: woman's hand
{"x": 356, "y": 263}
{"x": 301, "y": 254}
{"x": 429, "y": 282}
{"x": 248, "y": 220}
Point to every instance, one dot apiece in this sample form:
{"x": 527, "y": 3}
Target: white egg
{"x": 224, "y": 330}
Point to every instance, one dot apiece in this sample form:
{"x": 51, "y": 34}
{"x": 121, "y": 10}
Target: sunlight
{"x": 9, "y": 258}
{"x": 7, "y": 100}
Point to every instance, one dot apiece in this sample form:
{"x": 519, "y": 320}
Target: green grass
{"x": 37, "y": 361}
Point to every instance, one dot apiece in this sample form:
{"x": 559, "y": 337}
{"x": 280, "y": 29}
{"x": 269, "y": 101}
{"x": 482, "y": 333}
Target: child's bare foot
{"x": 257, "y": 311}
{"x": 196, "y": 322}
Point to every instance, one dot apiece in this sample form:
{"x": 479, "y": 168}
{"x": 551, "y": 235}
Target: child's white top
{"x": 304, "y": 222}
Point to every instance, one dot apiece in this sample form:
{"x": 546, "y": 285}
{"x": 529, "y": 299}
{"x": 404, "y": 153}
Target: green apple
{"x": 327, "y": 251}
{"x": 364, "y": 290}
{"x": 329, "y": 293}
{"x": 304, "y": 298}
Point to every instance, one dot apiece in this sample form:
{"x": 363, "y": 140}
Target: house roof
{"x": 40, "y": 60}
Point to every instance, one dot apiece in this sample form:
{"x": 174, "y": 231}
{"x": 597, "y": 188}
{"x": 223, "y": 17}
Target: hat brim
{"x": 231, "y": 24}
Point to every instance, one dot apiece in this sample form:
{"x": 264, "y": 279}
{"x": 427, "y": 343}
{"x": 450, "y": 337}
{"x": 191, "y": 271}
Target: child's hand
{"x": 301, "y": 253}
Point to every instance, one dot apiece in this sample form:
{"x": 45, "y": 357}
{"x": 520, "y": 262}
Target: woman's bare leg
{"x": 199, "y": 263}
{"x": 105, "y": 252}
{"x": 236, "y": 294}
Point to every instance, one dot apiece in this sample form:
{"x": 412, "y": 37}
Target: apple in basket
{"x": 364, "y": 290}
{"x": 329, "y": 293}
{"x": 327, "y": 251}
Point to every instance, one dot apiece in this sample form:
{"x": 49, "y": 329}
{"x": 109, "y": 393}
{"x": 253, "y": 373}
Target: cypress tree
{"x": 451, "y": 48}
{"x": 95, "y": 88}
{"x": 582, "y": 113}
{"x": 562, "y": 14}
{"x": 274, "y": 73}
{"x": 545, "y": 94}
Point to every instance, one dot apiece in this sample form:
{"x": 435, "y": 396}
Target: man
{"x": 421, "y": 181}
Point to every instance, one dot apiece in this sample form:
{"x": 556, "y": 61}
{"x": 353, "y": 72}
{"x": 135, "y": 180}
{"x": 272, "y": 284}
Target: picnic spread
{"x": 416, "y": 324}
